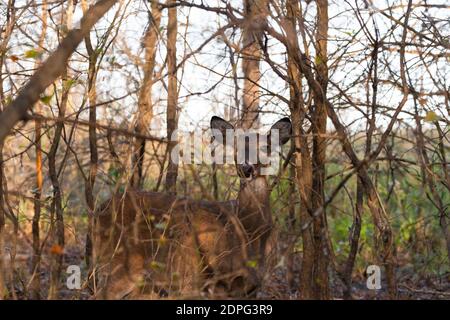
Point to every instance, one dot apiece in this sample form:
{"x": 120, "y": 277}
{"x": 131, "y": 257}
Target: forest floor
{"x": 410, "y": 288}
{"x": 276, "y": 287}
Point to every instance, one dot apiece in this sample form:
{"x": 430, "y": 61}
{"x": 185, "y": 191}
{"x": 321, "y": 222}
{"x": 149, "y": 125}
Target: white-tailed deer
{"x": 165, "y": 245}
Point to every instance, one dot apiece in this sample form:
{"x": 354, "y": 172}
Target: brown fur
{"x": 170, "y": 246}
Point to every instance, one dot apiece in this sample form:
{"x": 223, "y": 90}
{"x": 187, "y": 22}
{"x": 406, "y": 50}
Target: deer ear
{"x": 220, "y": 126}
{"x": 284, "y": 128}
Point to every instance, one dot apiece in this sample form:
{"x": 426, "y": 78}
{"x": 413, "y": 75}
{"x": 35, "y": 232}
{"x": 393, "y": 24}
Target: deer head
{"x": 251, "y": 150}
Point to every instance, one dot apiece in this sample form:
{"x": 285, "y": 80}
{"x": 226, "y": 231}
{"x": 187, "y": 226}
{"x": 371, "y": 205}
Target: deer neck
{"x": 253, "y": 206}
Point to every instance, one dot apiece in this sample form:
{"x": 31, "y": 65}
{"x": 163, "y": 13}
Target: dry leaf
{"x": 57, "y": 249}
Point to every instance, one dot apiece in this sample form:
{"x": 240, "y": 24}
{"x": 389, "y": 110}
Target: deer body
{"x": 157, "y": 244}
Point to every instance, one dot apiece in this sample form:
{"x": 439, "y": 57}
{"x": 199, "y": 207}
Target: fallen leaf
{"x": 57, "y": 249}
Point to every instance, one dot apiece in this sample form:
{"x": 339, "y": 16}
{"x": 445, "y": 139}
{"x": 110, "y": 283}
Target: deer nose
{"x": 247, "y": 170}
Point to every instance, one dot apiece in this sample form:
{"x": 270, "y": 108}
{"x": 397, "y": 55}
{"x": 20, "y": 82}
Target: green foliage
{"x": 70, "y": 83}
{"x": 431, "y": 116}
{"x": 318, "y": 60}
{"x": 252, "y": 263}
{"x": 46, "y": 99}
{"x": 157, "y": 266}
{"x": 114, "y": 174}
{"x": 161, "y": 226}
{"x": 32, "y": 54}
{"x": 414, "y": 218}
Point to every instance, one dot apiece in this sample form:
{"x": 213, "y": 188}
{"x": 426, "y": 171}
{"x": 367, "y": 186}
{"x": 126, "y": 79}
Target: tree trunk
{"x": 93, "y": 160}
{"x": 319, "y": 126}
{"x": 172, "y": 99}
{"x": 57, "y": 218}
{"x": 355, "y": 233}
{"x": 255, "y": 19}
{"x": 303, "y": 161}
{"x": 56, "y": 214}
{"x": 3, "y": 289}
{"x": 145, "y": 105}
{"x": 292, "y": 237}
